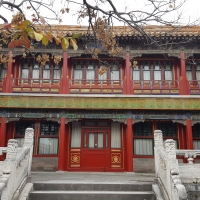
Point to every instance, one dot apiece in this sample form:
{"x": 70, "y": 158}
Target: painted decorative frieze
{"x": 103, "y": 102}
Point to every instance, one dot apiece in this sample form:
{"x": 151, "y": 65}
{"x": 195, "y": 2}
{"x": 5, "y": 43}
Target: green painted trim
{"x": 116, "y": 102}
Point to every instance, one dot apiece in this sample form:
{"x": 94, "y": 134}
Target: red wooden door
{"x": 95, "y": 150}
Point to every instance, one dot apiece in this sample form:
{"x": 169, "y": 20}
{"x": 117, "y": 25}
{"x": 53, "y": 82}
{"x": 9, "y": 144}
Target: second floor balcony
{"x": 154, "y": 77}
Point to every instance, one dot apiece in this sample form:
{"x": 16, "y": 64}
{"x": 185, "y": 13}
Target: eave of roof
{"x": 123, "y": 31}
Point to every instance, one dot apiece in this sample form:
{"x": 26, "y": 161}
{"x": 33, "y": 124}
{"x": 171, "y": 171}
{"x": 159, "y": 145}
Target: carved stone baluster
{"x": 28, "y": 139}
{"x": 190, "y": 157}
{"x": 28, "y": 142}
{"x": 158, "y": 141}
{"x": 9, "y": 166}
{"x": 158, "y": 138}
{"x": 176, "y": 189}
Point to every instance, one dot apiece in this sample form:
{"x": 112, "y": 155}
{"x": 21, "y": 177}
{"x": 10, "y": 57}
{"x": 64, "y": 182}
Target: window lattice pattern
{"x": 49, "y": 128}
{"x": 143, "y": 129}
{"x": 196, "y": 130}
{"x": 21, "y": 126}
{"x": 168, "y": 129}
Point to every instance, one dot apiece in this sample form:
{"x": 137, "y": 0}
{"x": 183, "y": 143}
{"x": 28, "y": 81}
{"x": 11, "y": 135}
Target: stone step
{"x": 91, "y": 195}
{"x": 55, "y": 186}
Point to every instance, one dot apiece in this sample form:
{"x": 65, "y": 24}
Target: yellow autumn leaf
{"x": 76, "y": 35}
{"x": 73, "y": 43}
{"x": 45, "y": 40}
{"x": 65, "y": 44}
{"x": 38, "y": 36}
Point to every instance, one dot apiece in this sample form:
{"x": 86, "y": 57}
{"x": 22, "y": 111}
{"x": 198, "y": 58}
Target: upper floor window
{"x": 193, "y": 70}
{"x": 168, "y": 71}
{"x": 88, "y": 70}
{"x": 78, "y": 70}
{"x": 146, "y": 71}
{"x": 189, "y": 72}
{"x": 153, "y": 70}
{"x": 56, "y": 71}
{"x": 157, "y": 71}
{"x": 3, "y": 70}
{"x": 36, "y": 71}
{"x": 104, "y": 76}
{"x": 136, "y": 74}
{"x": 115, "y": 71}
{"x": 25, "y": 69}
{"x": 33, "y": 70}
{"x": 198, "y": 72}
{"x": 46, "y": 71}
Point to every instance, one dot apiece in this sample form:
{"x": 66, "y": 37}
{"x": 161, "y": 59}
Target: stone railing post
{"x": 166, "y": 169}
{"x": 9, "y": 166}
{"x": 170, "y": 152}
{"x": 158, "y": 143}
{"x": 28, "y": 142}
{"x": 16, "y": 166}
{"x": 176, "y": 190}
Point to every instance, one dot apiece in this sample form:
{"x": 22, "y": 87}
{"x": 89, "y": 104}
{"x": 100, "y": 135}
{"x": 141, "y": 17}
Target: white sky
{"x": 190, "y": 10}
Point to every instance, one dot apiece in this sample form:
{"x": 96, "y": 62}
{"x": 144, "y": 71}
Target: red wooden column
{"x": 7, "y": 83}
{"x": 181, "y": 136}
{"x": 129, "y": 145}
{"x": 10, "y": 131}
{"x": 189, "y": 138}
{"x": 183, "y": 84}
{"x": 67, "y": 139}
{"x": 2, "y": 134}
{"x": 129, "y": 84}
{"x": 64, "y": 82}
{"x": 62, "y": 147}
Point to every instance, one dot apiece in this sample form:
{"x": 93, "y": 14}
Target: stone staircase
{"x": 61, "y": 190}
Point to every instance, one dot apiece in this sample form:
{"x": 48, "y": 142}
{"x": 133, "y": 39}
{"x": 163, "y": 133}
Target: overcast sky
{"x": 190, "y": 10}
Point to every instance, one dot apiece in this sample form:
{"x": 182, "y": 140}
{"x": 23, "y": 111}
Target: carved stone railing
{"x": 166, "y": 169}
{"x": 16, "y": 167}
{"x": 189, "y": 154}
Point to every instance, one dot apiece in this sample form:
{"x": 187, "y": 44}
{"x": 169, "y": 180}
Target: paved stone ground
{"x": 85, "y": 177}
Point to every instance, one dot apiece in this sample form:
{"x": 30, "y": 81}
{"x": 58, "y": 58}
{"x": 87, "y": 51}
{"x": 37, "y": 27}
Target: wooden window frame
{"x": 151, "y": 64}
{"x": 143, "y": 137}
{"x": 84, "y": 64}
{"x": 37, "y": 136}
{"x": 3, "y": 67}
{"x": 32, "y": 62}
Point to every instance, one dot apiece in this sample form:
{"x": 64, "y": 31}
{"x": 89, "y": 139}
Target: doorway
{"x": 95, "y": 149}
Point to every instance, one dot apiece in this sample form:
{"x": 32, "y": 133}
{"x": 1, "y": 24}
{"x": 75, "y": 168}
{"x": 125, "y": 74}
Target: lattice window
{"x": 3, "y": 71}
{"x": 49, "y": 128}
{"x": 143, "y": 129}
{"x": 168, "y": 129}
{"x": 78, "y": 70}
{"x": 25, "y": 69}
{"x": 115, "y": 71}
{"x": 168, "y": 71}
{"x": 157, "y": 71}
{"x": 21, "y": 126}
{"x": 196, "y": 130}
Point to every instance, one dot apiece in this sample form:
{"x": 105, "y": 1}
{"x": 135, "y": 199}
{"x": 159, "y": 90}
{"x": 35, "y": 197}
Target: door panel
{"x": 99, "y": 150}
{"x": 94, "y": 150}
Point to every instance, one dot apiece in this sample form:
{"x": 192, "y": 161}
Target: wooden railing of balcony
{"x": 194, "y": 87}
{"x": 36, "y": 85}
{"x": 156, "y": 87}
{"x": 96, "y": 86}
{"x": 83, "y": 86}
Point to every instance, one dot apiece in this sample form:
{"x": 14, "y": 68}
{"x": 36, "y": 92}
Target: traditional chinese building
{"x": 84, "y": 121}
